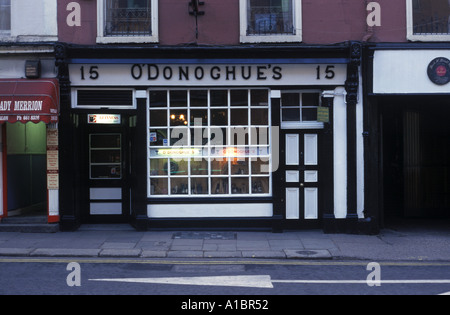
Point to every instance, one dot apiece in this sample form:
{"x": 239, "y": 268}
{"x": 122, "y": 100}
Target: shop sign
{"x": 207, "y": 74}
{"x": 439, "y": 71}
{"x": 110, "y": 119}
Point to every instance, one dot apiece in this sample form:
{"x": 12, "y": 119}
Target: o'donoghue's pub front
{"x": 211, "y": 136}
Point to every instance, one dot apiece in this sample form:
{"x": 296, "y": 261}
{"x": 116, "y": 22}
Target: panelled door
{"x": 106, "y": 174}
{"x": 301, "y": 156}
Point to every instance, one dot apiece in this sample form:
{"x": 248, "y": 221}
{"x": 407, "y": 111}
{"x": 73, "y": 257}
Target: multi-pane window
{"x": 431, "y": 17}
{"x": 300, "y": 108}
{"x": 270, "y": 17}
{"x": 270, "y": 20}
{"x": 122, "y": 21}
{"x": 5, "y": 17}
{"x": 128, "y": 18}
{"x": 209, "y": 143}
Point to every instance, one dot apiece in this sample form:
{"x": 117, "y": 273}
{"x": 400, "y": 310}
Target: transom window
{"x": 5, "y": 17}
{"x": 300, "y": 109}
{"x": 127, "y": 21}
{"x": 209, "y": 143}
{"x": 429, "y": 20}
{"x": 270, "y": 20}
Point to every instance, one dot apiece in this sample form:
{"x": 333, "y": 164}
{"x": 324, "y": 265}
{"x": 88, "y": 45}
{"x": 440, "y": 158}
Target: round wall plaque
{"x": 439, "y": 71}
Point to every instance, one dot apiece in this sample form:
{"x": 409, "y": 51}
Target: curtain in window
{"x": 5, "y": 15}
{"x": 270, "y": 17}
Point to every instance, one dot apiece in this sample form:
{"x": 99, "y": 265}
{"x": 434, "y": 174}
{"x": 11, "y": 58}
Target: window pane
{"x": 431, "y": 17}
{"x": 179, "y": 186}
{"x": 158, "y": 98}
{"x": 260, "y": 166}
{"x": 309, "y": 114}
{"x": 178, "y": 117}
{"x": 128, "y": 18}
{"x": 239, "y": 185}
{"x": 260, "y": 117}
{"x": 270, "y": 17}
{"x": 159, "y": 186}
{"x": 199, "y": 117}
{"x": 219, "y": 98}
{"x": 239, "y": 117}
{"x": 239, "y": 167}
{"x": 290, "y": 99}
{"x": 259, "y": 98}
{"x": 260, "y": 185}
{"x": 310, "y": 99}
{"x": 179, "y": 167}
{"x": 239, "y": 97}
{"x": 219, "y": 186}
{"x": 178, "y": 98}
{"x": 291, "y": 114}
{"x": 158, "y": 118}
{"x": 5, "y": 15}
{"x": 158, "y": 137}
{"x": 199, "y": 167}
{"x": 158, "y": 167}
{"x": 199, "y": 98}
{"x": 219, "y": 117}
{"x": 199, "y": 186}
{"x": 219, "y": 167}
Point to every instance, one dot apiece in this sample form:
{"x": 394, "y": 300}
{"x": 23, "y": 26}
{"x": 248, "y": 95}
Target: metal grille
{"x": 128, "y": 21}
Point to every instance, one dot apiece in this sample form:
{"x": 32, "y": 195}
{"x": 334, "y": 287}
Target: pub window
{"x": 429, "y": 20}
{"x": 104, "y": 98}
{"x": 5, "y": 17}
{"x": 127, "y": 21}
{"x": 300, "y": 109}
{"x": 270, "y": 20}
{"x": 205, "y": 143}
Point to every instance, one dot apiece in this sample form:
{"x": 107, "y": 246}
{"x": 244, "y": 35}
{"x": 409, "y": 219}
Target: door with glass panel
{"x": 301, "y": 132}
{"x": 107, "y": 192}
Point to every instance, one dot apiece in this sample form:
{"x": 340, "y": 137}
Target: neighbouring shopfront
{"x": 408, "y": 100}
{"x": 29, "y": 112}
{"x": 198, "y": 138}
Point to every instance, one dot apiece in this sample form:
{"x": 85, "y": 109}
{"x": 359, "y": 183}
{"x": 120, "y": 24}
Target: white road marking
{"x": 223, "y": 281}
{"x": 262, "y": 281}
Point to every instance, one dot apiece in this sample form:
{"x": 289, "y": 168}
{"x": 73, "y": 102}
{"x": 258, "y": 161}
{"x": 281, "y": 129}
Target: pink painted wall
{"x": 84, "y": 34}
{"x": 324, "y": 22}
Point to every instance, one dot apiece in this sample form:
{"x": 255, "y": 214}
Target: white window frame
{"x": 210, "y": 176}
{"x": 297, "y": 19}
{"x": 102, "y": 39}
{"x": 422, "y": 37}
{"x": 74, "y": 99}
{"x": 300, "y": 124}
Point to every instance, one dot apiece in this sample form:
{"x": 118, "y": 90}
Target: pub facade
{"x": 208, "y": 115}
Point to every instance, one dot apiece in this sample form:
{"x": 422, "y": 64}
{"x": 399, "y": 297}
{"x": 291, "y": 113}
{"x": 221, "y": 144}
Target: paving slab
{"x": 120, "y": 253}
{"x": 15, "y": 251}
{"x": 308, "y": 254}
{"x": 63, "y": 252}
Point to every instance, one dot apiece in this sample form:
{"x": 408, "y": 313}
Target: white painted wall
{"x": 34, "y": 20}
{"x": 405, "y": 72}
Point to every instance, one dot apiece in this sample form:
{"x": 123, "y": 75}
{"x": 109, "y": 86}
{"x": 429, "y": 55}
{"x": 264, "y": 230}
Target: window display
{"x": 209, "y": 143}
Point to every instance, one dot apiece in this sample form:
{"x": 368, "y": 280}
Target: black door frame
{"x": 86, "y": 183}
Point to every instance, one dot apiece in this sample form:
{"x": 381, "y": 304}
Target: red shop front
{"x": 29, "y": 182}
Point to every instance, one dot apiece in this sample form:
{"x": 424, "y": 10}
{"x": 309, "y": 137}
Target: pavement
{"x": 399, "y": 243}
